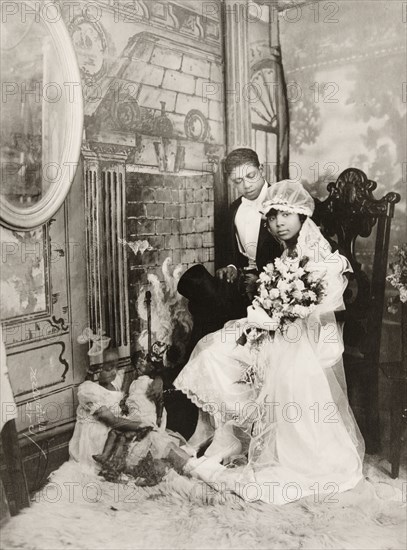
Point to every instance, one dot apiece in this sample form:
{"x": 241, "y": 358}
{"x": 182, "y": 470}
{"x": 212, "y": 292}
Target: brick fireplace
{"x": 175, "y": 214}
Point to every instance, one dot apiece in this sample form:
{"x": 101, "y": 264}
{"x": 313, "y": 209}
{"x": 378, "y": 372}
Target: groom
{"x": 249, "y": 246}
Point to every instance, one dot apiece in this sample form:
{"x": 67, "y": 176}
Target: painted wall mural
{"x": 158, "y": 88}
{"x": 345, "y": 73}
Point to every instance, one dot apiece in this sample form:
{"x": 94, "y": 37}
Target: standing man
{"x": 249, "y": 246}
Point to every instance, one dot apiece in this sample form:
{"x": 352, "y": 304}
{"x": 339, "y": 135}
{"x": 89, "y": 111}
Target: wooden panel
{"x": 45, "y": 413}
{"x": 45, "y": 366}
{"x": 51, "y": 245}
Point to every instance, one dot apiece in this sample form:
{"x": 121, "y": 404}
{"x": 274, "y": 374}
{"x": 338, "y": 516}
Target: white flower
{"x": 267, "y": 303}
{"x": 283, "y": 286}
{"x": 297, "y": 295}
{"x": 284, "y": 296}
{"x": 280, "y": 266}
{"x": 264, "y": 278}
{"x": 274, "y": 293}
{"x": 263, "y": 293}
{"x": 299, "y": 285}
{"x": 289, "y": 277}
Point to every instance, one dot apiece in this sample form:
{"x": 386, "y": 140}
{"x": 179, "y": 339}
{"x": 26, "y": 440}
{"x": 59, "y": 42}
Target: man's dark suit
{"x": 268, "y": 249}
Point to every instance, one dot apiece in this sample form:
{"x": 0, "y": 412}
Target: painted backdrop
{"x": 345, "y": 65}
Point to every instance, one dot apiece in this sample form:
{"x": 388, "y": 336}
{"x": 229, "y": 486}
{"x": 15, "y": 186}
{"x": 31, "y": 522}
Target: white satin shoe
{"x": 205, "y": 469}
{"x": 225, "y": 445}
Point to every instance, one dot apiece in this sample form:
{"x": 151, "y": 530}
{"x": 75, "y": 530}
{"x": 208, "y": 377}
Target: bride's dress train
{"x": 297, "y": 428}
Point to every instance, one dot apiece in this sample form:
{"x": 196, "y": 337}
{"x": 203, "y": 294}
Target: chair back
{"x": 350, "y": 213}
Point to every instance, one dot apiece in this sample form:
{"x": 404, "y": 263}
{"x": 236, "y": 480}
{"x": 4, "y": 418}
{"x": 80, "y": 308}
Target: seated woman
{"x": 134, "y": 443}
{"x": 293, "y": 419}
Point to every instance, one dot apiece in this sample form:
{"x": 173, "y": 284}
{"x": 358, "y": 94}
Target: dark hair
{"x": 273, "y": 211}
{"x": 239, "y": 157}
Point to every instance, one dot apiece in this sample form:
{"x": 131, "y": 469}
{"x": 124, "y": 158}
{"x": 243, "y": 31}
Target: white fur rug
{"x": 81, "y": 512}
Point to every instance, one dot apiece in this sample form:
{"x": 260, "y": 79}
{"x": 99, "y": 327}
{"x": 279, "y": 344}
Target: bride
{"x": 293, "y": 420}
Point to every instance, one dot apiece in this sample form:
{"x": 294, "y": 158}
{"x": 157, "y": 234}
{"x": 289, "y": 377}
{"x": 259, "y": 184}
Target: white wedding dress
{"x": 297, "y": 427}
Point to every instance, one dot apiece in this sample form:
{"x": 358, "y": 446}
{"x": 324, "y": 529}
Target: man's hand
{"x": 228, "y": 273}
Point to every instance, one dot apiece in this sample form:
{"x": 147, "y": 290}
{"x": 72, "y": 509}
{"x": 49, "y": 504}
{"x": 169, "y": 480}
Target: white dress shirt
{"x": 247, "y": 224}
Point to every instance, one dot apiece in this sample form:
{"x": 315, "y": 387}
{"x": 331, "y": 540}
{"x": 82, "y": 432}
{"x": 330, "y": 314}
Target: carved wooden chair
{"x": 349, "y": 214}
{"x": 396, "y": 372}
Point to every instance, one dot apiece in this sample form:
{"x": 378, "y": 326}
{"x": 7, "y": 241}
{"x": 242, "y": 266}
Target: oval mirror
{"x": 41, "y": 115}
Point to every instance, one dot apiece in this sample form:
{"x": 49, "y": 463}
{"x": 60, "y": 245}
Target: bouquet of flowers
{"x": 398, "y": 278}
{"x": 286, "y": 292}
{"x": 289, "y": 291}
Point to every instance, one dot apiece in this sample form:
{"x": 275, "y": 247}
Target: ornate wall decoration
{"x": 162, "y": 125}
{"x": 128, "y": 11}
{"x": 159, "y": 10}
{"x": 188, "y": 21}
{"x": 92, "y": 149}
{"x": 196, "y": 125}
{"x": 260, "y": 51}
{"x": 126, "y": 114}
{"x": 163, "y": 13}
{"x": 211, "y": 29}
{"x": 264, "y": 106}
{"x": 269, "y": 108}
{"x": 214, "y": 153}
{"x": 170, "y": 155}
{"x": 90, "y": 45}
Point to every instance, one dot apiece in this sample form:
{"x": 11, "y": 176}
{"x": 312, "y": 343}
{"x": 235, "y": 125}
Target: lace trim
{"x": 222, "y": 416}
{"x": 193, "y": 397}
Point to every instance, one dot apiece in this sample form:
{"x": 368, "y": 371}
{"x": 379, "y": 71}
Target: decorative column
{"x": 283, "y": 119}
{"x": 238, "y": 124}
{"x": 105, "y": 205}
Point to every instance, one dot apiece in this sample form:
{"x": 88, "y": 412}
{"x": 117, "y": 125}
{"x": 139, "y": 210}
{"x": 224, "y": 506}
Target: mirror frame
{"x": 41, "y": 212}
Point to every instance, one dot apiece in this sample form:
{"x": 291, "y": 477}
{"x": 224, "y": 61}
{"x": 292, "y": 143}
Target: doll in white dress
{"x": 107, "y": 441}
{"x": 99, "y": 410}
